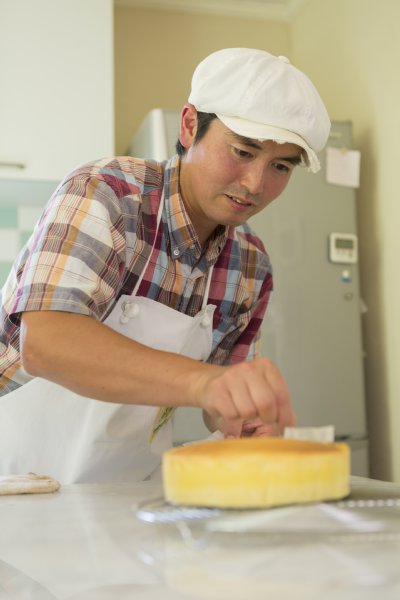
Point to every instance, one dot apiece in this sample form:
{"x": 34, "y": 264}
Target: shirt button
{"x": 176, "y": 252}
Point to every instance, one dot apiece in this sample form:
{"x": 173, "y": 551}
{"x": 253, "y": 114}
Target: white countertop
{"x": 84, "y": 542}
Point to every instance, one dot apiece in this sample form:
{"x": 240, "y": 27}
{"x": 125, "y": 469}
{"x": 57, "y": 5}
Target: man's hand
{"x": 249, "y": 399}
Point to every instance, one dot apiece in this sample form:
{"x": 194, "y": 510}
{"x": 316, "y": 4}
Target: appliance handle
{"x": 12, "y": 165}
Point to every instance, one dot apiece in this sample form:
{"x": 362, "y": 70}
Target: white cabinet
{"x": 56, "y": 86}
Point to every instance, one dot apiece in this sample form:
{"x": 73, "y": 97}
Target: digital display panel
{"x": 343, "y": 244}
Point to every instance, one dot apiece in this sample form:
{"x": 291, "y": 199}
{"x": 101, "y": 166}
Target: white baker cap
{"x": 263, "y": 97}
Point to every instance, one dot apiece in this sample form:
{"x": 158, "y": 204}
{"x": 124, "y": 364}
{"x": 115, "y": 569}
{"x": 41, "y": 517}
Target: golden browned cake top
{"x": 255, "y": 445}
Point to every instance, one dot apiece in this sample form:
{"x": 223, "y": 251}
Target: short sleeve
{"x": 74, "y": 260}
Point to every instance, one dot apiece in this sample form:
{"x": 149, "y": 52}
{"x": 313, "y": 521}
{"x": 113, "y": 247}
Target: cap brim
{"x": 262, "y": 132}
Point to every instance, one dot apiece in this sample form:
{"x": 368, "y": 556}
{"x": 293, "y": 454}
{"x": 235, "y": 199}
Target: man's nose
{"x": 253, "y": 178}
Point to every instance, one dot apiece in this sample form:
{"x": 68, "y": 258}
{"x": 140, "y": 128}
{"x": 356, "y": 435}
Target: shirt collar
{"x": 182, "y": 234}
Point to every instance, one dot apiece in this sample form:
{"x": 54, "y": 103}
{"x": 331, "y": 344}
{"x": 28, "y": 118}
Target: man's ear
{"x": 188, "y": 127}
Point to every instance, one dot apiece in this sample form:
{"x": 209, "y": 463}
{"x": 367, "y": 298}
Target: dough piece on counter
{"x": 256, "y": 472}
{"x": 27, "y": 484}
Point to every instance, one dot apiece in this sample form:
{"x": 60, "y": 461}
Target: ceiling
{"x": 275, "y": 10}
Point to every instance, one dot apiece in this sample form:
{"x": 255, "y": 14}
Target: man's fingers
{"x": 232, "y": 428}
{"x": 248, "y": 391}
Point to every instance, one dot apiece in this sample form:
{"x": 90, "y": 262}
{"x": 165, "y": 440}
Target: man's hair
{"x": 203, "y": 123}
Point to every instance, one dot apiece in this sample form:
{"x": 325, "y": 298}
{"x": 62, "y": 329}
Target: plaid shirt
{"x": 92, "y": 242}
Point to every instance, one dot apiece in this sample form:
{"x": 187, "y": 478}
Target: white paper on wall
{"x": 343, "y": 167}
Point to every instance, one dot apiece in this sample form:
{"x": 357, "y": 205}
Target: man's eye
{"x": 282, "y": 167}
{"x": 242, "y": 153}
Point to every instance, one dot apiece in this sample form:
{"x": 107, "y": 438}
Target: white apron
{"x": 47, "y": 429}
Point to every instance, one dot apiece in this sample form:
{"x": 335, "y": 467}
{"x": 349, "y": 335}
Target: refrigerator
{"x": 312, "y": 329}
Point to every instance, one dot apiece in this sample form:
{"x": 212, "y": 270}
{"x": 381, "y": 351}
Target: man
{"x": 143, "y": 289}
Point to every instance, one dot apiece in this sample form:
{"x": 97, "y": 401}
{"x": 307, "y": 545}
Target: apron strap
{"x": 207, "y": 290}
{"x": 159, "y": 215}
